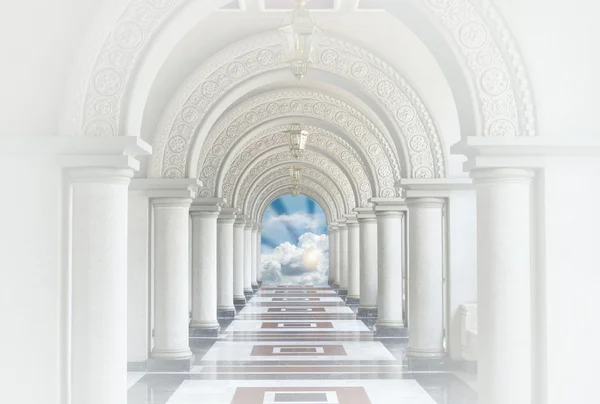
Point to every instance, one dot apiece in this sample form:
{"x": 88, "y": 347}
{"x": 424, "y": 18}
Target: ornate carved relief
{"x": 227, "y": 132}
{"x": 260, "y": 208}
{"x": 307, "y": 183}
{"x": 264, "y": 53}
{"x": 495, "y": 63}
{"x": 224, "y": 181}
{"x": 116, "y": 62}
{"x": 476, "y": 26}
{"x": 327, "y": 173}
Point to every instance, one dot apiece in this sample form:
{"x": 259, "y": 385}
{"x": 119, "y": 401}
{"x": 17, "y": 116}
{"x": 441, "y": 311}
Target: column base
{"x": 382, "y": 331}
{"x": 335, "y": 286}
{"x": 254, "y": 287}
{"x": 171, "y": 365}
{"x": 137, "y": 366}
{"x": 248, "y": 293}
{"x": 226, "y": 313}
{"x": 259, "y": 283}
{"x": 342, "y": 292}
{"x": 429, "y": 364}
{"x": 424, "y": 354}
{"x": 352, "y": 301}
{"x": 205, "y": 332}
{"x": 367, "y": 312}
{"x": 239, "y": 302}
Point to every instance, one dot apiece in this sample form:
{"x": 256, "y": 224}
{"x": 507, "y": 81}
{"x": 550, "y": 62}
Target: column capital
{"x": 351, "y": 219}
{"x": 332, "y": 227}
{"x": 363, "y": 214}
{"x": 389, "y": 205}
{"x": 79, "y": 151}
{"x": 255, "y": 228}
{"x": 501, "y": 175}
{"x": 432, "y": 203}
{"x": 523, "y": 151}
{"x": 249, "y": 224}
{"x": 240, "y": 220}
{"x": 341, "y": 223}
{"x": 206, "y": 207}
{"x": 167, "y": 187}
{"x": 227, "y": 214}
{"x": 434, "y": 187}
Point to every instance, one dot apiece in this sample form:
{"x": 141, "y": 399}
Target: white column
{"x": 99, "y": 285}
{"x": 254, "y": 268}
{"x": 258, "y": 255}
{"x": 425, "y": 277}
{"x": 333, "y": 256}
{"x": 353, "y": 260}
{"x": 367, "y": 223}
{"x": 248, "y": 259}
{"x": 503, "y": 285}
{"x": 238, "y": 261}
{"x": 225, "y": 252}
{"x": 389, "y": 212}
{"x": 343, "y": 256}
{"x": 204, "y": 267}
{"x": 171, "y": 261}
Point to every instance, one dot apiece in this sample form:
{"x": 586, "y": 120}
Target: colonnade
{"x": 366, "y": 250}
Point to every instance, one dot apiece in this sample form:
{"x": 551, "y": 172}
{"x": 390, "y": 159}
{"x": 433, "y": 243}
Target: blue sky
{"x": 288, "y": 218}
{"x": 295, "y": 246}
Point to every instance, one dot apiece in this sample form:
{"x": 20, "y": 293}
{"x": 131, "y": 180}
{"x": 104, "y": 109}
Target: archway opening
{"x": 295, "y": 244}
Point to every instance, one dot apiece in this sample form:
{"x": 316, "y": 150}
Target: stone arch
{"x": 259, "y": 207}
{"x": 272, "y": 141}
{"x": 187, "y": 113}
{"x": 468, "y": 26}
{"x": 333, "y": 181}
{"x": 312, "y": 180}
{"x": 303, "y": 191}
{"x": 362, "y": 135}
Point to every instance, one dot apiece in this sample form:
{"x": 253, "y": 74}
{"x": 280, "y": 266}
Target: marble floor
{"x": 302, "y": 345}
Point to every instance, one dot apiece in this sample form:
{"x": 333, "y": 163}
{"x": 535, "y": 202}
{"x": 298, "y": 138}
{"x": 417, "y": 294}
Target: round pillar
{"x": 248, "y": 260}
{"x": 390, "y": 321}
{"x": 504, "y": 285}
{"x": 343, "y": 257}
{"x": 171, "y": 265}
{"x": 353, "y": 261}
{"x": 425, "y": 277}
{"x": 239, "y": 298}
{"x": 225, "y": 252}
{"x": 333, "y": 257}
{"x": 204, "y": 270}
{"x": 99, "y": 285}
{"x": 258, "y": 256}
{"x": 254, "y": 268}
{"x": 367, "y": 223}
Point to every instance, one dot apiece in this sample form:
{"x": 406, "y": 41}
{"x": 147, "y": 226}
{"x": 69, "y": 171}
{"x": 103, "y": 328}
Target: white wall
{"x": 462, "y": 260}
{"x": 32, "y": 286}
{"x": 138, "y": 277}
{"x": 570, "y": 268}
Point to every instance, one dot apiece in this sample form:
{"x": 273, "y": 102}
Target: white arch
{"x": 302, "y": 191}
{"x": 312, "y": 179}
{"x": 280, "y": 171}
{"x": 259, "y": 208}
{"x": 473, "y": 29}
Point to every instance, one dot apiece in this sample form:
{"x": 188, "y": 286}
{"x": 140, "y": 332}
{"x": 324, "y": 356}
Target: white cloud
{"x": 305, "y": 264}
{"x": 299, "y": 220}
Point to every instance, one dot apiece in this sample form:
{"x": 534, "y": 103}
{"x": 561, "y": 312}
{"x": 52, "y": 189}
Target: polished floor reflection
{"x": 301, "y": 345}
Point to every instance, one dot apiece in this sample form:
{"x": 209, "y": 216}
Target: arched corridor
{"x": 452, "y": 146}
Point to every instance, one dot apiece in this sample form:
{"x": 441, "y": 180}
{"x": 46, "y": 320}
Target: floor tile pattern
{"x": 301, "y": 345}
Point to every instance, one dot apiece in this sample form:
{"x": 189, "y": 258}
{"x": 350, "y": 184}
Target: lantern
{"x": 300, "y": 38}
